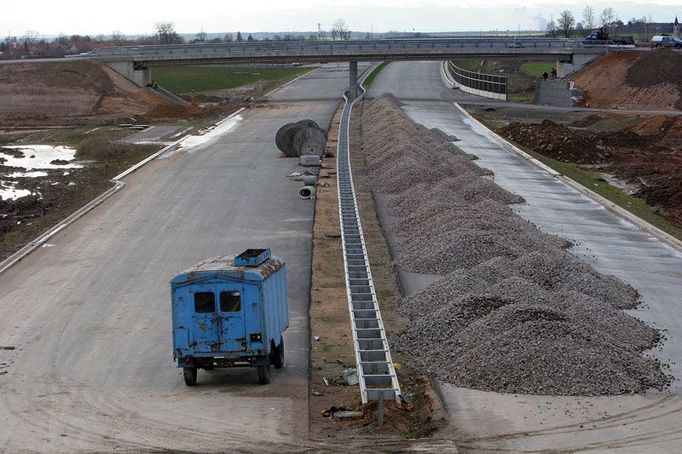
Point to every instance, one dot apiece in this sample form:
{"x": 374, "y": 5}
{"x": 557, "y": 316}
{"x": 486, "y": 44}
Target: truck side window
{"x": 230, "y": 302}
{"x": 204, "y": 302}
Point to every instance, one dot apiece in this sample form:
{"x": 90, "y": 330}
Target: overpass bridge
{"x": 134, "y": 62}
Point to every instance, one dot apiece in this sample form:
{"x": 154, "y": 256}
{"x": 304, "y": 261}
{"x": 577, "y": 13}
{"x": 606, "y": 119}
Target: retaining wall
{"x": 556, "y": 92}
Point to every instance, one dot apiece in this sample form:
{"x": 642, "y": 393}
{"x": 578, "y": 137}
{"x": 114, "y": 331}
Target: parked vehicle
{"x": 666, "y": 41}
{"x": 602, "y": 36}
{"x": 230, "y": 312}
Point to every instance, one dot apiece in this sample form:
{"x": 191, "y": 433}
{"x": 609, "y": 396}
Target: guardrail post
{"x": 353, "y": 72}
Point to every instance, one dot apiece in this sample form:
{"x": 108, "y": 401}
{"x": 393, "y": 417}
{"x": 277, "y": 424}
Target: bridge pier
{"x": 353, "y": 85}
{"x": 138, "y": 74}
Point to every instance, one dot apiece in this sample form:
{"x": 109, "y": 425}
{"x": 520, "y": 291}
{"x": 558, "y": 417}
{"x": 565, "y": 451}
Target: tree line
{"x": 568, "y": 25}
{"x": 31, "y": 45}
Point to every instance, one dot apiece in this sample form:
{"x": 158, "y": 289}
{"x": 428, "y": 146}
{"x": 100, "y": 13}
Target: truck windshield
{"x": 204, "y": 302}
{"x": 230, "y": 302}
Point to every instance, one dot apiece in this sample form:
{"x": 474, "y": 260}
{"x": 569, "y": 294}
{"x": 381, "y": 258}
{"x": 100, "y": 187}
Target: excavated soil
{"x": 72, "y": 93}
{"x": 633, "y": 80}
{"x": 647, "y": 155}
{"x": 514, "y": 311}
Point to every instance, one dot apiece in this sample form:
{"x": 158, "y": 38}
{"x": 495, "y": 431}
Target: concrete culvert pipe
{"x": 284, "y": 139}
{"x": 306, "y": 192}
{"x": 309, "y": 180}
{"x": 310, "y": 141}
{"x": 307, "y": 123}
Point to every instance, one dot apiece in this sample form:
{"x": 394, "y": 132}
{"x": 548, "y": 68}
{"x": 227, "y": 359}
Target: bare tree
{"x": 551, "y": 28}
{"x": 166, "y": 34}
{"x": 589, "y": 19}
{"x": 340, "y": 29}
{"x": 239, "y": 36}
{"x": 608, "y": 16}
{"x": 566, "y": 22}
{"x": 116, "y": 36}
{"x": 201, "y": 36}
{"x": 228, "y": 38}
{"x": 30, "y": 37}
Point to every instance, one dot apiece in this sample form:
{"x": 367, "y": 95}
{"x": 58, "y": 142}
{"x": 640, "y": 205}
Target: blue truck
{"x": 230, "y": 312}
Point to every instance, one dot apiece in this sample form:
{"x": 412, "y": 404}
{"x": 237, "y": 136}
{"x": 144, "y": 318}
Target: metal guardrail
{"x": 479, "y": 81}
{"x": 376, "y": 374}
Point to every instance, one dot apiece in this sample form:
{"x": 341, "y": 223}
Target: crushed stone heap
{"x": 514, "y": 311}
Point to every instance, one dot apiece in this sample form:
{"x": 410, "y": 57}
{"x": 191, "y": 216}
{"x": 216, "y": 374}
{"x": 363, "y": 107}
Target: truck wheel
{"x": 277, "y": 355}
{"x": 263, "y": 375}
{"x": 190, "y": 375}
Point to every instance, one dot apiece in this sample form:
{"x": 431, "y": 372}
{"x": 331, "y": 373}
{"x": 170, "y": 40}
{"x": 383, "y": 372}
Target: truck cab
{"x": 230, "y": 312}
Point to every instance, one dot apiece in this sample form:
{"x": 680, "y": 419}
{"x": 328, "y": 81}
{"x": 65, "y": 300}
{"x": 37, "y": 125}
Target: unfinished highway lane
{"x": 490, "y": 422}
{"x": 85, "y": 330}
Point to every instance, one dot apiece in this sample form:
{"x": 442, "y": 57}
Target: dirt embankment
{"x": 647, "y": 155}
{"x": 79, "y": 93}
{"x": 633, "y": 80}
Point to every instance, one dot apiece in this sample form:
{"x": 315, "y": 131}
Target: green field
{"x": 370, "y": 79}
{"x": 537, "y": 68}
{"x": 183, "y": 79}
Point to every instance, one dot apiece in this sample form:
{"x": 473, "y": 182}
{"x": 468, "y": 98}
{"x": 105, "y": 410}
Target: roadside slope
{"x": 69, "y": 92}
{"x": 633, "y": 80}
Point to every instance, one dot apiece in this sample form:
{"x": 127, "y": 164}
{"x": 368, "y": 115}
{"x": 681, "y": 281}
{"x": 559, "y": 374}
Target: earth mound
{"x": 633, "y": 80}
{"x": 70, "y": 92}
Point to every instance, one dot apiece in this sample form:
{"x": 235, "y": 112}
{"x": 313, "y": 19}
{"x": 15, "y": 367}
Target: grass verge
{"x": 370, "y": 79}
{"x": 537, "y": 68}
{"x": 183, "y": 79}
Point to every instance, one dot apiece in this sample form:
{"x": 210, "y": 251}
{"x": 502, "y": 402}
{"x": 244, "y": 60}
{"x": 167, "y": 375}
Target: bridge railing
{"x": 272, "y": 48}
{"x": 480, "y": 84}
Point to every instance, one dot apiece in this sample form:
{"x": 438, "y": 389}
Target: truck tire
{"x": 264, "y": 375}
{"x": 277, "y": 355}
{"x": 190, "y": 375}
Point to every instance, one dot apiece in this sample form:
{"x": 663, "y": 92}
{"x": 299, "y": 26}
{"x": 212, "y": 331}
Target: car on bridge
{"x": 666, "y": 41}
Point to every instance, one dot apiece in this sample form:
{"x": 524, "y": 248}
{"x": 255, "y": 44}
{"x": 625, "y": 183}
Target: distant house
{"x": 78, "y": 48}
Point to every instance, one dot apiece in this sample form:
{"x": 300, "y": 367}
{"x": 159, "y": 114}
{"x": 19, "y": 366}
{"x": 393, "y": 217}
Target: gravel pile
{"x": 514, "y": 312}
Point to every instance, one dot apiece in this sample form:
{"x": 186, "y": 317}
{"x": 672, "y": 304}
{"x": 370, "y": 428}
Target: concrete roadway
{"x": 89, "y": 315}
{"x": 484, "y": 421}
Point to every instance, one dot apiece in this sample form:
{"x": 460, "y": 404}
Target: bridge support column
{"x": 353, "y": 86}
{"x": 578, "y": 61}
{"x": 139, "y": 75}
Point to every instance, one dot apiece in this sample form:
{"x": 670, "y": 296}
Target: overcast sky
{"x": 52, "y": 17}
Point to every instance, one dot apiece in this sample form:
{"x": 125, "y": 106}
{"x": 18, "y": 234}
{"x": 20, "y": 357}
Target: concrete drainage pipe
{"x": 306, "y": 192}
{"x": 309, "y": 180}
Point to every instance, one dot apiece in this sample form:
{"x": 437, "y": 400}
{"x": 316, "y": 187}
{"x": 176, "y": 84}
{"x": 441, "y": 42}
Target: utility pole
{"x": 319, "y": 31}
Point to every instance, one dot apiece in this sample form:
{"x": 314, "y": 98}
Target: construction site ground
{"x": 633, "y": 160}
{"x": 633, "y": 80}
{"x": 79, "y": 104}
{"x": 483, "y": 421}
